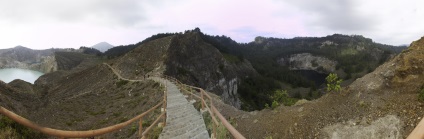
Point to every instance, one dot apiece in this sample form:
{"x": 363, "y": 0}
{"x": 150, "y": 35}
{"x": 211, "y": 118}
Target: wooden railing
{"x": 91, "y": 133}
{"x": 211, "y": 108}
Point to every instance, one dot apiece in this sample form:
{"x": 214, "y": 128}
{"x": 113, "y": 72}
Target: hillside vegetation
{"x": 382, "y": 104}
{"x": 255, "y": 87}
{"x": 355, "y": 56}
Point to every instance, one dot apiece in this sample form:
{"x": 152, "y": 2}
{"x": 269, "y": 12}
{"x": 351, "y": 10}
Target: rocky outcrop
{"x": 47, "y": 65}
{"x": 307, "y": 61}
{"x": 191, "y": 60}
{"x": 196, "y": 62}
{"x": 404, "y": 72}
{"x": 386, "y": 127}
{"x": 25, "y": 58}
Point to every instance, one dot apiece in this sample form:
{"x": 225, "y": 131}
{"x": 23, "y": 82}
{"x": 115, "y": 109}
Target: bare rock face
{"x": 188, "y": 58}
{"x": 307, "y": 61}
{"x": 25, "y": 58}
{"x": 403, "y": 73}
{"x": 48, "y": 64}
{"x": 195, "y": 62}
{"x": 388, "y": 127}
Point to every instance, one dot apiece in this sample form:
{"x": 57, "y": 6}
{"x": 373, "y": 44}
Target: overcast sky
{"x": 42, "y": 24}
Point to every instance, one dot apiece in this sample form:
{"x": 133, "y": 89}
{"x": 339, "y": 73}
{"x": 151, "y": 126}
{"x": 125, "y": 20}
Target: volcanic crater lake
{"x": 9, "y": 74}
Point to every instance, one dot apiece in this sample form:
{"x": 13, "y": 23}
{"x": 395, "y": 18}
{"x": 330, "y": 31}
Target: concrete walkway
{"x": 183, "y": 121}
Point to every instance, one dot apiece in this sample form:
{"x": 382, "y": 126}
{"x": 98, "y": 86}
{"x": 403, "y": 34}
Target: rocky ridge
{"x": 381, "y": 104}
{"x": 307, "y": 61}
{"x": 25, "y": 58}
{"x": 182, "y": 56}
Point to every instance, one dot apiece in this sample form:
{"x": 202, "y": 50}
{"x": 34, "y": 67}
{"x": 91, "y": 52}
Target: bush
{"x": 274, "y": 104}
{"x": 333, "y": 82}
{"x": 281, "y": 96}
{"x": 266, "y": 106}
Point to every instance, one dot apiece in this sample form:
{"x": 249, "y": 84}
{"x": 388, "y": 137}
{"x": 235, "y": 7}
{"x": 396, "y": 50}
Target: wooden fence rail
{"x": 211, "y": 108}
{"x": 89, "y": 133}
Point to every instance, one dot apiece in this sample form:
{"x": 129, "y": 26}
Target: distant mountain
{"x": 102, "y": 46}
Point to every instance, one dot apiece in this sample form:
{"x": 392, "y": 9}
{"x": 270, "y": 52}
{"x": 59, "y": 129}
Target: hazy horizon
{"x": 48, "y": 24}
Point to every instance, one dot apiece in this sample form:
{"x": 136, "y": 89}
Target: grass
{"x": 69, "y": 123}
{"x": 116, "y": 114}
{"x": 123, "y": 119}
{"x": 133, "y": 129}
{"x": 121, "y": 83}
{"x": 221, "y": 131}
{"x": 154, "y": 134}
{"x": 9, "y": 129}
{"x": 93, "y": 113}
{"x": 421, "y": 95}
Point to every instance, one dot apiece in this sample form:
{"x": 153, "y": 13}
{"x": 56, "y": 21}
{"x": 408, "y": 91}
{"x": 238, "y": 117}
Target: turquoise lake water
{"x": 9, "y": 74}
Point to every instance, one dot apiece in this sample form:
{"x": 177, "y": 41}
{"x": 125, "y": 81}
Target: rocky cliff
{"x": 25, "y": 58}
{"x": 382, "y": 104}
{"x": 196, "y": 62}
{"x": 190, "y": 59}
{"x": 307, "y": 61}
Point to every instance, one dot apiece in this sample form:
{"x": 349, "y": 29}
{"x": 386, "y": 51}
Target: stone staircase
{"x": 183, "y": 121}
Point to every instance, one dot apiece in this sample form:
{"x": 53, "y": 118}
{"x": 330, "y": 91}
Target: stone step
{"x": 182, "y": 115}
{"x": 202, "y": 135}
{"x": 186, "y": 120}
{"x": 193, "y": 132}
{"x": 182, "y": 109}
{"x": 185, "y": 133}
{"x": 183, "y": 121}
{"x": 183, "y": 126}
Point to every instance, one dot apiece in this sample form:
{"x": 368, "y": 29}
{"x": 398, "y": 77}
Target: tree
{"x": 333, "y": 82}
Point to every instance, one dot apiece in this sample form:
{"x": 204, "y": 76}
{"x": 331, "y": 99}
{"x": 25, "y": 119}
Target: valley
{"x": 88, "y": 90}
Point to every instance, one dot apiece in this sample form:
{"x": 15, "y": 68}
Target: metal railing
{"x": 91, "y": 133}
{"x": 211, "y": 108}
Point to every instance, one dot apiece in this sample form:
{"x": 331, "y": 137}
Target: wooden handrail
{"x": 212, "y": 110}
{"x": 154, "y": 123}
{"x": 90, "y": 133}
{"x": 230, "y": 128}
{"x": 71, "y": 134}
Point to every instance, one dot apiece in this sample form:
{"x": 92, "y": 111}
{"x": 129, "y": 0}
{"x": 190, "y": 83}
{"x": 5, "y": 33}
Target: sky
{"x": 43, "y": 24}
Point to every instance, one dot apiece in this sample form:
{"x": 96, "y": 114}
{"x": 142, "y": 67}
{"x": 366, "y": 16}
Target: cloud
{"x": 343, "y": 15}
{"x": 73, "y": 23}
{"x": 103, "y": 12}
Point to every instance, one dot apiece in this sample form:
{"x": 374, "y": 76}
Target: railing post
{"x": 164, "y": 106}
{"x": 191, "y": 93}
{"x": 203, "y": 100}
{"x": 140, "y": 127}
{"x": 212, "y": 115}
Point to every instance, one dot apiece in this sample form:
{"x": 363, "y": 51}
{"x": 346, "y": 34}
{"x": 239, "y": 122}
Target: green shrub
{"x": 281, "y": 96}
{"x": 274, "y": 104}
{"x": 266, "y": 106}
{"x": 333, "y": 82}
